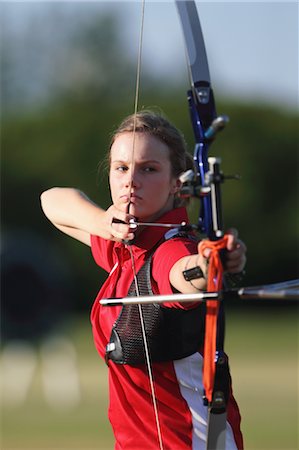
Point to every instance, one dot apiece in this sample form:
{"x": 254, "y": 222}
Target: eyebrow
{"x": 143, "y": 161}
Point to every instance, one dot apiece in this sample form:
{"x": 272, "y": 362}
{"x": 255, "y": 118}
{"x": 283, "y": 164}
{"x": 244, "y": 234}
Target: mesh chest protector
{"x": 171, "y": 333}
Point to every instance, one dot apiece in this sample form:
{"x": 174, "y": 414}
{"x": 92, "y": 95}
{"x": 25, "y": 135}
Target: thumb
{"x": 203, "y": 250}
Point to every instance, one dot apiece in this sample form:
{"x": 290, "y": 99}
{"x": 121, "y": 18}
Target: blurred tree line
{"x": 63, "y": 142}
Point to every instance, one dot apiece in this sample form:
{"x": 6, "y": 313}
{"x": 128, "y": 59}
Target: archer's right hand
{"x": 117, "y": 225}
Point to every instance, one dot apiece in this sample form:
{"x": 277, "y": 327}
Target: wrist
{"x": 233, "y": 280}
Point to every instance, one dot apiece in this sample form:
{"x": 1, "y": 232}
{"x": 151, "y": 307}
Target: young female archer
{"x": 147, "y": 157}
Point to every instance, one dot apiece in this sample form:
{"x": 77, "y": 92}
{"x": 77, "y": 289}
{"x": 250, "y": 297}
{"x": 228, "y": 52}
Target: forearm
{"x": 70, "y": 210}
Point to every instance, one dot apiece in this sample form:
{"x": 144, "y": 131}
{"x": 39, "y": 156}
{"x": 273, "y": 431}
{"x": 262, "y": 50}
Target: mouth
{"x": 131, "y": 198}
{"x": 134, "y": 197}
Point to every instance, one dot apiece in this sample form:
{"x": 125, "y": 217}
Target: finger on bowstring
{"x": 121, "y": 229}
{"x": 127, "y": 219}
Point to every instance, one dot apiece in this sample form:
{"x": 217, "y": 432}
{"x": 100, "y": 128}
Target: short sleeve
{"x": 102, "y": 252}
{"x": 165, "y": 257}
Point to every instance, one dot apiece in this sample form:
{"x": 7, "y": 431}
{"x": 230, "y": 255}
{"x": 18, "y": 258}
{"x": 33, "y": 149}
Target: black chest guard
{"x": 171, "y": 333}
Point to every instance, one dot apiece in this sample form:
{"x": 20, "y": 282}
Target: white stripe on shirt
{"x": 189, "y": 375}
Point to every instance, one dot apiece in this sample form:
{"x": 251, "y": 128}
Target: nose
{"x": 133, "y": 179}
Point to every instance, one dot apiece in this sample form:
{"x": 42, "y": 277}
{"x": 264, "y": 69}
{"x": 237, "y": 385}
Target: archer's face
{"x": 141, "y": 176}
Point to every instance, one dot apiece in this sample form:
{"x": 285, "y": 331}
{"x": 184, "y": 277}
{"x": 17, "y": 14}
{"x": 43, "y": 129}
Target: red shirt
{"x": 131, "y": 410}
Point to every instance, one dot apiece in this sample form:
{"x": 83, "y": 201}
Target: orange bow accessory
{"x": 215, "y": 275}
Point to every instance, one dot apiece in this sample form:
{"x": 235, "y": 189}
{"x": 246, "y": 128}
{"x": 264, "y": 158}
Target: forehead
{"x": 142, "y": 146}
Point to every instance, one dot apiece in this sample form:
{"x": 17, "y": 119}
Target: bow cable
{"x": 144, "y": 337}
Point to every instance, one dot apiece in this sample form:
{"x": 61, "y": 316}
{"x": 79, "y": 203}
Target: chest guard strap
{"x": 171, "y": 333}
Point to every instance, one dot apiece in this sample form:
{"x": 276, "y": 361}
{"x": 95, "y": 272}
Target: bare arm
{"x": 235, "y": 262}
{"x": 73, "y": 213}
{"x": 177, "y": 279}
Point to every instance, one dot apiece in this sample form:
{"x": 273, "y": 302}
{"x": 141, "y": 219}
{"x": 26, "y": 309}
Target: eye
{"x": 149, "y": 169}
{"x": 121, "y": 168}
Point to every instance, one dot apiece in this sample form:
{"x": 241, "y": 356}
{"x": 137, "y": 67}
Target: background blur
{"x": 68, "y": 74}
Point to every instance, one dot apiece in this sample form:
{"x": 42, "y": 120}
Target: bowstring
{"x": 144, "y": 337}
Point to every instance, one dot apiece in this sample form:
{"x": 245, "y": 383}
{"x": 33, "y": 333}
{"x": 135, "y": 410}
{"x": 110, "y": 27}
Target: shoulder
{"x": 103, "y": 252}
{"x": 169, "y": 252}
{"x": 164, "y": 258}
{"x": 176, "y": 247}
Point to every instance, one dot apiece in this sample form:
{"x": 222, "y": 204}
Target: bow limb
{"x": 200, "y": 99}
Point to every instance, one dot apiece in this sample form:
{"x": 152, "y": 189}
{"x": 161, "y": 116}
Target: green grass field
{"x": 263, "y": 353}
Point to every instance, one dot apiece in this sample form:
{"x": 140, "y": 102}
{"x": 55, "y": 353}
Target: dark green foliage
{"x": 63, "y": 145}
{"x": 63, "y": 140}
{"x": 261, "y": 144}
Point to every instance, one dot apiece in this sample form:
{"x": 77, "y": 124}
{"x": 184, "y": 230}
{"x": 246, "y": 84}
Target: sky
{"x": 252, "y": 46}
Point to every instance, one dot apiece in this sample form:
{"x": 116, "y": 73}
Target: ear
{"x": 176, "y": 186}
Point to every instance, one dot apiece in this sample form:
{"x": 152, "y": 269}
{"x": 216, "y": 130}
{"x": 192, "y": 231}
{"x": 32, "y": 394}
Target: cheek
{"x": 168, "y": 184}
{"x": 161, "y": 190}
{"x": 113, "y": 186}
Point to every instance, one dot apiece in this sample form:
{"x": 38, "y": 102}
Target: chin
{"x": 135, "y": 211}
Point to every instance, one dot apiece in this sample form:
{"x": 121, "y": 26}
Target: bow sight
{"x": 194, "y": 186}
